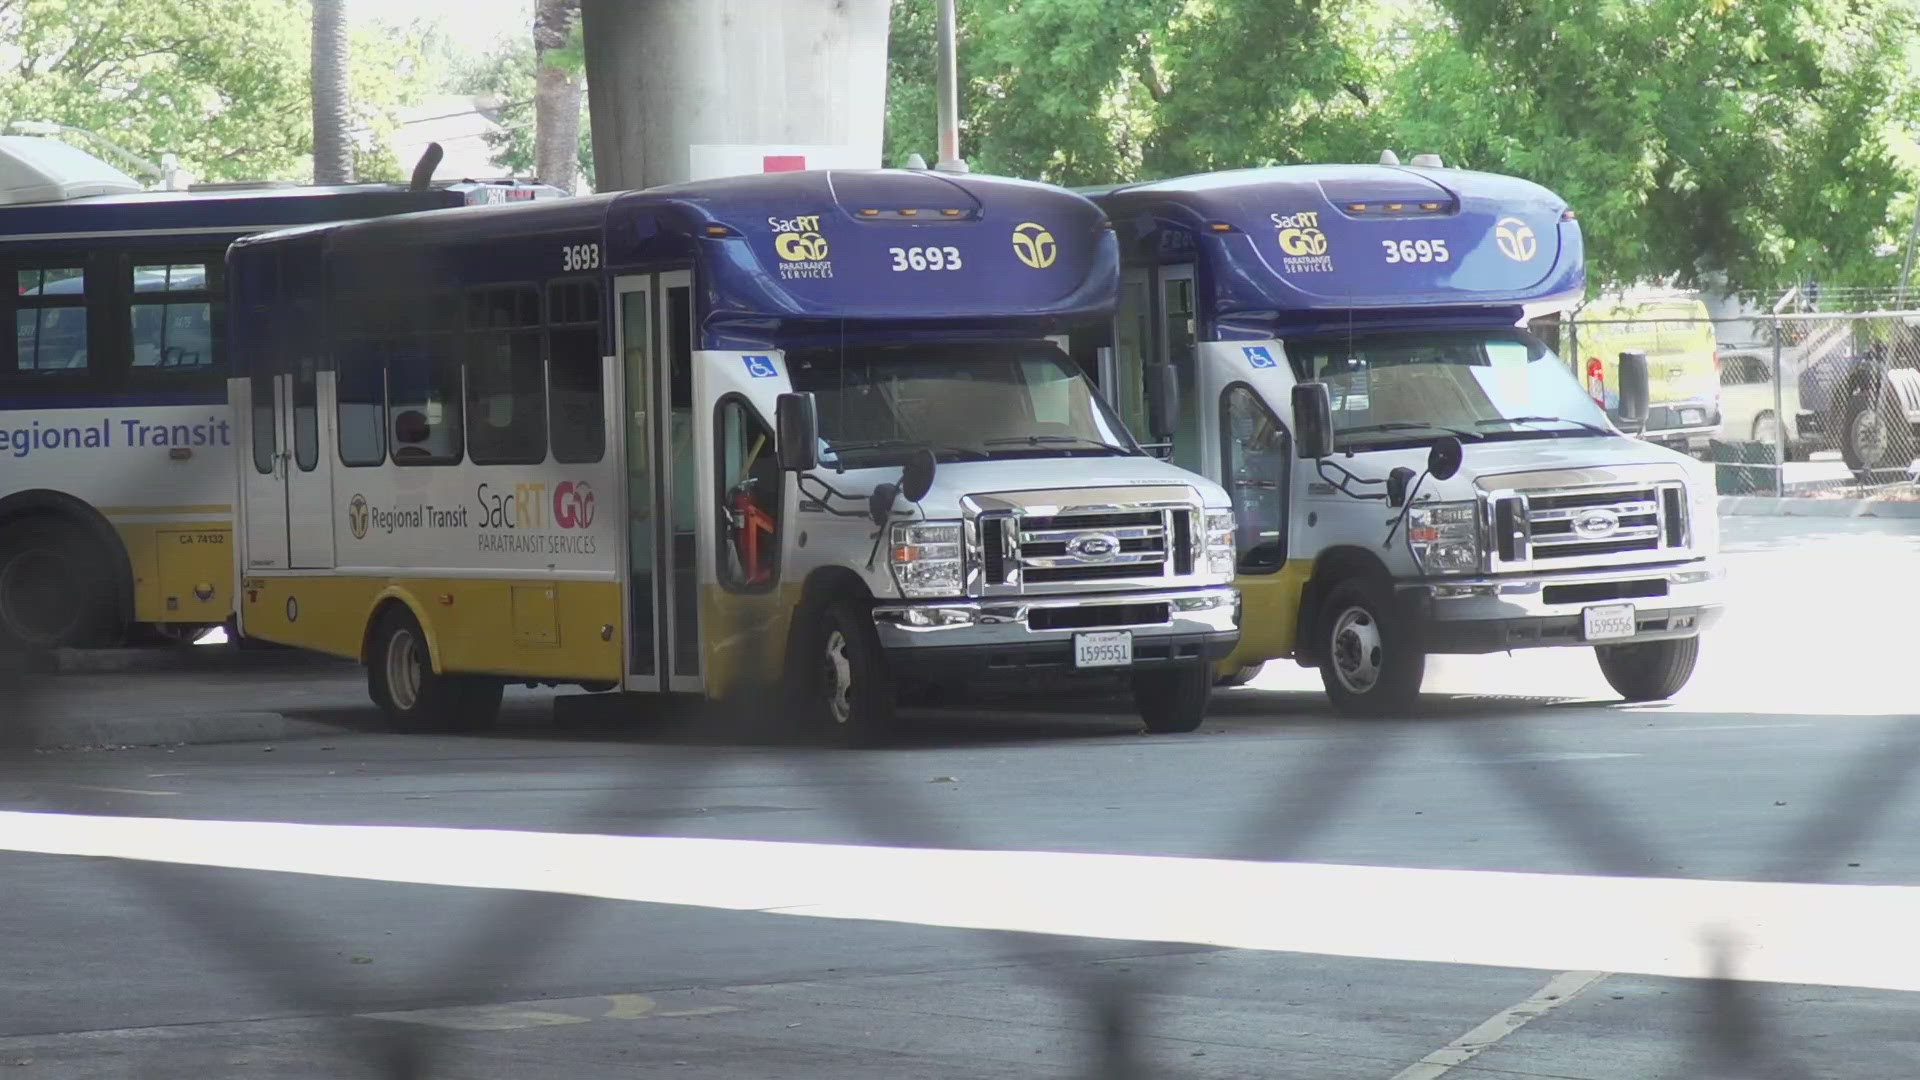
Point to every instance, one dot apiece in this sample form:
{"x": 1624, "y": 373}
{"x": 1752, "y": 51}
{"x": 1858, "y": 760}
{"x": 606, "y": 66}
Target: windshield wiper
{"x": 1408, "y": 425}
{"x": 903, "y": 444}
{"x": 1595, "y": 428}
{"x": 1038, "y": 440}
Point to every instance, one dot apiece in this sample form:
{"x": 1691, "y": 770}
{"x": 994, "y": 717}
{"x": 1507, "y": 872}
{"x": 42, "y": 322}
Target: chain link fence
{"x": 1803, "y": 397}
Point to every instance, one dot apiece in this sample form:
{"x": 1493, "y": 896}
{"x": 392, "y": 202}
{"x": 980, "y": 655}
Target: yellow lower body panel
{"x": 182, "y": 573}
{"x": 565, "y": 631}
{"x": 1269, "y": 612}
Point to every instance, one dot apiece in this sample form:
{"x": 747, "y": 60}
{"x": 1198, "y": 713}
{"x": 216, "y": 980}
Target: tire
{"x": 1371, "y": 662}
{"x": 844, "y": 685}
{"x": 55, "y": 588}
{"x": 1648, "y": 670}
{"x": 402, "y": 682}
{"x": 1872, "y": 435}
{"x": 1240, "y": 676}
{"x": 1173, "y": 701}
{"x": 168, "y": 635}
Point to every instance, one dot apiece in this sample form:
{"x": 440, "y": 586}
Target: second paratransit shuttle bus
{"x": 1412, "y": 472}
{"x": 826, "y": 431}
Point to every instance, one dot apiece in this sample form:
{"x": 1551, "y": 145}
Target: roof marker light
{"x": 869, "y": 213}
{"x": 909, "y": 213}
{"x": 1358, "y": 207}
{"x": 1432, "y": 207}
{"x": 951, "y": 213}
{"x": 1220, "y": 226}
{"x": 1567, "y": 214}
{"x": 1395, "y": 207}
{"x": 719, "y": 230}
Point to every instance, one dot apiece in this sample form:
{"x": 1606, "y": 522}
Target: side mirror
{"x": 797, "y": 438}
{"x": 1444, "y": 459}
{"x": 917, "y": 478}
{"x": 1397, "y": 483}
{"x": 1313, "y": 420}
{"x": 1163, "y": 400}
{"x": 1635, "y": 392}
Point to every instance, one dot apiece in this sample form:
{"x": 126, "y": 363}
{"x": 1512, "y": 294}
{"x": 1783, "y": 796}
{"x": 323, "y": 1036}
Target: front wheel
{"x": 1370, "y": 662}
{"x": 1240, "y": 676}
{"x": 847, "y": 688}
{"x": 1648, "y": 670}
{"x": 402, "y": 682}
{"x": 1173, "y": 701}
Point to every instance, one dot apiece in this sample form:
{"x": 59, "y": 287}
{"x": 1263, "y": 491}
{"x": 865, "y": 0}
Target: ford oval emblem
{"x": 1093, "y": 547}
{"x": 1596, "y": 524}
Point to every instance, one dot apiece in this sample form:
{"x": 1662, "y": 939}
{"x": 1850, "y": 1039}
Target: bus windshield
{"x": 1412, "y": 386}
{"x": 966, "y": 402}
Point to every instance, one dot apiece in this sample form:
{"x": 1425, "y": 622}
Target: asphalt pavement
{"x": 1530, "y": 880}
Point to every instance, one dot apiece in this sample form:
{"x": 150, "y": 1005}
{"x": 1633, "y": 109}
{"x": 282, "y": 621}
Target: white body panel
{"x": 122, "y": 458}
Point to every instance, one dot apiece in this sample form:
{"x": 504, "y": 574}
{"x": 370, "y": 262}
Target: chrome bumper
{"x": 1211, "y": 613}
{"x": 1478, "y": 615}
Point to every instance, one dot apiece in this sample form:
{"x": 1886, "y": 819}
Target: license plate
{"x": 1692, "y": 416}
{"x": 1113, "y": 648}
{"x": 1604, "y": 621}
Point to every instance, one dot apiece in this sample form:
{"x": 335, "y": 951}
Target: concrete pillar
{"x": 691, "y": 89}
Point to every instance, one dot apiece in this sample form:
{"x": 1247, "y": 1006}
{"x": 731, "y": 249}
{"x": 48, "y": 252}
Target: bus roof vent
{"x": 1388, "y": 157}
{"x": 34, "y": 169}
{"x": 1427, "y": 161}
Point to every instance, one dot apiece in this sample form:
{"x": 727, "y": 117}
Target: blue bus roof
{"x": 1320, "y": 237}
{"x": 817, "y": 245}
{"x": 235, "y": 209}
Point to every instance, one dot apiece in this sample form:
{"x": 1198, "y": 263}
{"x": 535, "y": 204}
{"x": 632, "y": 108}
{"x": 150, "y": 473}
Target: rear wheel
{"x": 1648, "y": 670}
{"x": 55, "y": 591}
{"x": 1371, "y": 664}
{"x": 1873, "y": 434}
{"x": 402, "y": 682}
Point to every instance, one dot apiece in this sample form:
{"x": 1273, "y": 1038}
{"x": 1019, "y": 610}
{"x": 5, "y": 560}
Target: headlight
{"x": 927, "y": 559}
{"x": 1703, "y": 516}
{"x": 1445, "y": 537}
{"x": 1220, "y": 542}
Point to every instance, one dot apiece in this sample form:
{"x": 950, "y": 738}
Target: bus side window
{"x": 750, "y": 486}
{"x": 423, "y": 390}
{"x": 506, "y": 383}
{"x": 1256, "y": 452}
{"x": 173, "y": 316}
{"x": 576, "y": 399}
{"x": 266, "y": 438}
{"x": 50, "y": 321}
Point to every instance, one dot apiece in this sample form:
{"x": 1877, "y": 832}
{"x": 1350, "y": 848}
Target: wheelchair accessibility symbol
{"x": 760, "y": 367}
{"x": 1259, "y": 356}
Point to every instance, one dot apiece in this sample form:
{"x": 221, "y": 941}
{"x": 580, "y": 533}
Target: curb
{"x": 70, "y": 733}
{"x": 1762, "y": 505}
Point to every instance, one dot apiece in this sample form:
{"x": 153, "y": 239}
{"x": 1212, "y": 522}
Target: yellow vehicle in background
{"x": 1676, "y": 333}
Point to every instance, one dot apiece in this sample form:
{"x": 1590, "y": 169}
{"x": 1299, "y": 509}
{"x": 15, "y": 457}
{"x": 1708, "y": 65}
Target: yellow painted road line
{"x": 1832, "y": 935}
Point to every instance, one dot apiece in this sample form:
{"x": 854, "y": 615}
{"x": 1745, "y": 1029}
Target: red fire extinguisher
{"x": 750, "y": 521}
{"x": 1597, "y": 381}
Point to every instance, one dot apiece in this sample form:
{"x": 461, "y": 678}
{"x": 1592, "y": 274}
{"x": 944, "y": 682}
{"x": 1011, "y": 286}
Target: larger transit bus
{"x": 116, "y": 473}
{"x": 827, "y": 431}
{"x": 1411, "y": 472}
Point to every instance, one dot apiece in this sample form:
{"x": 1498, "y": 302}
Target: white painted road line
{"x": 1837, "y": 935}
{"x": 1563, "y": 988}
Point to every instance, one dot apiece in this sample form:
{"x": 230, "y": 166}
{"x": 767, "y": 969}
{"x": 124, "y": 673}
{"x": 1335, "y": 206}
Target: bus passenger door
{"x": 655, "y": 342}
{"x": 309, "y": 473}
{"x": 263, "y": 476}
{"x": 745, "y": 505}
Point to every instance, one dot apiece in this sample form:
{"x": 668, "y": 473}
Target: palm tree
{"x": 556, "y": 94}
{"x": 332, "y": 119}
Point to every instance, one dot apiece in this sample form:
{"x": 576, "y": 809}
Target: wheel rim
{"x": 37, "y": 599}
{"x": 403, "y": 669}
{"x": 1871, "y": 439}
{"x": 1766, "y": 431}
{"x": 1357, "y": 650}
{"x": 838, "y": 681}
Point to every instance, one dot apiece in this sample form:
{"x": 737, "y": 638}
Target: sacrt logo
{"x": 357, "y": 516}
{"x": 1516, "y": 239}
{"x": 573, "y": 504}
{"x": 1034, "y": 245}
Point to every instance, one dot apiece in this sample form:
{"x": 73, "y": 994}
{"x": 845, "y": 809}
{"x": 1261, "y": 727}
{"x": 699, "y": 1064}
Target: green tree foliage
{"x": 1741, "y": 140}
{"x": 1754, "y": 141}
{"x": 221, "y": 83}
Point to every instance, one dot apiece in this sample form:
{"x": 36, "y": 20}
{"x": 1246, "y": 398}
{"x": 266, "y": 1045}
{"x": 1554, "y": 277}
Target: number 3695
{"x": 1416, "y": 251}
